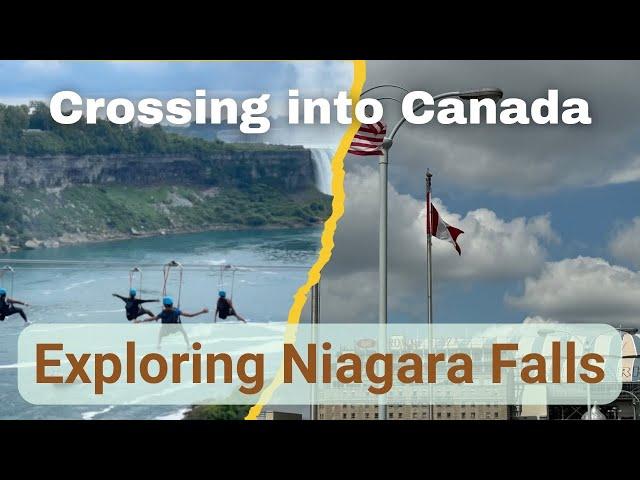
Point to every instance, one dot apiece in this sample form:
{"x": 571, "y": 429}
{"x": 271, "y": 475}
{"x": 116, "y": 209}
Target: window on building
{"x": 424, "y": 414}
{"x": 375, "y": 415}
{"x": 415, "y": 415}
{"x": 463, "y": 415}
{"x": 366, "y": 415}
{"x": 344, "y": 415}
{"x": 473, "y": 415}
{"x": 487, "y": 416}
{"x": 496, "y": 415}
{"x": 448, "y": 414}
{"x": 400, "y": 415}
{"x": 439, "y": 415}
{"x": 390, "y": 414}
{"x": 353, "y": 415}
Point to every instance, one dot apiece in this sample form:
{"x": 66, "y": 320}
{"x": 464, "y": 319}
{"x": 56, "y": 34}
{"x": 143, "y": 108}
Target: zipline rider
{"x": 133, "y": 305}
{"x": 224, "y": 308}
{"x": 8, "y": 308}
{"x": 171, "y": 322}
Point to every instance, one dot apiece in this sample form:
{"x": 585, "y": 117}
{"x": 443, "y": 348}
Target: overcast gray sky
{"x": 551, "y": 214}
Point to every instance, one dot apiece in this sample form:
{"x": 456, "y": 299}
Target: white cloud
{"x": 538, "y": 319}
{"x": 322, "y": 78}
{"x": 492, "y": 248}
{"x": 625, "y": 244}
{"x": 20, "y": 100}
{"x": 582, "y": 289}
{"x": 624, "y": 174}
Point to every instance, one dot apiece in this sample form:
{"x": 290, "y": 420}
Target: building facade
{"x": 415, "y": 412}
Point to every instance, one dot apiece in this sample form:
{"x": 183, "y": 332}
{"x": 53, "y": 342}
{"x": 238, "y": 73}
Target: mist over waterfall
{"x": 322, "y": 168}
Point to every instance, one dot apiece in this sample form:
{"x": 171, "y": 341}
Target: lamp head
{"x": 482, "y": 93}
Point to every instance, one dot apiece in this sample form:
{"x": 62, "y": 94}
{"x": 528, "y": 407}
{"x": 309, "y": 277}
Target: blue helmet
{"x": 133, "y": 292}
{"x": 3, "y": 292}
{"x": 222, "y": 293}
{"x": 167, "y": 301}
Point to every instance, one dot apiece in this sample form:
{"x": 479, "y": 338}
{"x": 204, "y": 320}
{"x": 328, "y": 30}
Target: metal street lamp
{"x": 480, "y": 93}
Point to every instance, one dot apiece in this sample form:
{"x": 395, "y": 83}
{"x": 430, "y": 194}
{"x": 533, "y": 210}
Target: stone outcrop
{"x": 290, "y": 169}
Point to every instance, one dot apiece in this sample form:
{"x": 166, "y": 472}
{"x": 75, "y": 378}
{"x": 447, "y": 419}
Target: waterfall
{"x": 321, "y": 155}
{"x": 322, "y": 168}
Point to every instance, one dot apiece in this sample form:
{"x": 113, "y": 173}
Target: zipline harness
{"x": 7, "y": 269}
{"x": 132, "y": 274}
{"x": 224, "y": 268}
{"x": 166, "y": 273}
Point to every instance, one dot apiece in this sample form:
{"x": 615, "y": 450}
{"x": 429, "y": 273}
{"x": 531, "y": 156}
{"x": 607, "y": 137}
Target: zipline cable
{"x": 115, "y": 264}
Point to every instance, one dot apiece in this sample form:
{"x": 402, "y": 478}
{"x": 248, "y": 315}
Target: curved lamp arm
{"x": 482, "y": 93}
{"x": 420, "y": 107}
{"x": 387, "y": 85}
{"x": 390, "y": 98}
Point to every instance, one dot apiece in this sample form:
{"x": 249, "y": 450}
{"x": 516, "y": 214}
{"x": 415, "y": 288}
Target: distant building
{"x": 415, "y": 412}
{"x": 480, "y": 410}
{"x": 625, "y": 407}
{"x": 273, "y": 415}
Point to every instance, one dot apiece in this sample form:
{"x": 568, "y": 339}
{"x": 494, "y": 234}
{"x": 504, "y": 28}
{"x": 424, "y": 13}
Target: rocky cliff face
{"x": 290, "y": 169}
{"x": 52, "y": 200}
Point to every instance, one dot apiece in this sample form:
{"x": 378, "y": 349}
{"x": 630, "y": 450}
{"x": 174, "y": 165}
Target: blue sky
{"x": 586, "y": 220}
{"x": 21, "y": 81}
{"x": 28, "y": 79}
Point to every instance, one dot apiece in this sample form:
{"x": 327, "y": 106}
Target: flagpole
{"x": 429, "y": 282}
{"x": 493, "y": 93}
{"x": 429, "y": 229}
{"x": 382, "y": 262}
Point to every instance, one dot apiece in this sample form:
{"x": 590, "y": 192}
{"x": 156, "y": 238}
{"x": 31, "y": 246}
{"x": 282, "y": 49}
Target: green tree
{"x": 40, "y": 116}
{"x": 218, "y": 412}
{"x": 151, "y": 140}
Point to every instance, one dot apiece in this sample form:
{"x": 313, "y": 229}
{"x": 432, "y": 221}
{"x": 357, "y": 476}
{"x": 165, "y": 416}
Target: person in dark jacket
{"x": 133, "y": 305}
{"x": 8, "y": 306}
{"x": 171, "y": 322}
{"x": 224, "y": 308}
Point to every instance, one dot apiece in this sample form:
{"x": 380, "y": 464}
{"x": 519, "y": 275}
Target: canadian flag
{"x": 437, "y": 227}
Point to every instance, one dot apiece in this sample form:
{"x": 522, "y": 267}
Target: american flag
{"x": 368, "y": 140}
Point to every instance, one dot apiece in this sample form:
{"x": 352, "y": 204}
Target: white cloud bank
{"x": 522, "y": 159}
{"x": 582, "y": 289}
{"x": 625, "y": 244}
{"x": 493, "y": 249}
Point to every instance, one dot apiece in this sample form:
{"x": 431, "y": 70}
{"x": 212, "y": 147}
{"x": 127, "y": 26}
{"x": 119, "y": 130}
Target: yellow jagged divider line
{"x": 313, "y": 277}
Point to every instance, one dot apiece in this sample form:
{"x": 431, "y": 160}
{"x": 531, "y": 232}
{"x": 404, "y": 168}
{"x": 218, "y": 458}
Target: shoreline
{"x": 75, "y": 239}
{"x": 178, "y": 415}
